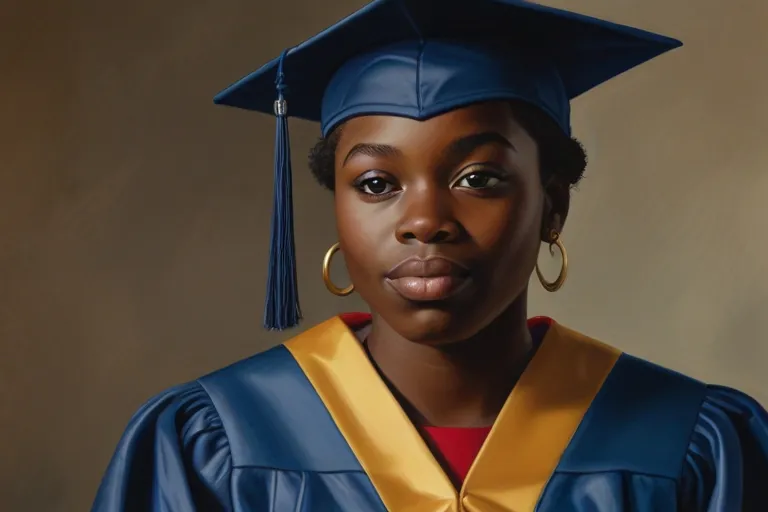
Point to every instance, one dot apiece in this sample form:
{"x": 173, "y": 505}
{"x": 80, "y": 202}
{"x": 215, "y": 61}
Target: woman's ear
{"x": 557, "y": 201}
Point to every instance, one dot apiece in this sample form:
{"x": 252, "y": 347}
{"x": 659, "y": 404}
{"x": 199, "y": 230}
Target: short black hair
{"x": 560, "y": 156}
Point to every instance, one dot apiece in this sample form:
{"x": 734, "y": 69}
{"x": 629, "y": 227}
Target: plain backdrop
{"x": 134, "y": 214}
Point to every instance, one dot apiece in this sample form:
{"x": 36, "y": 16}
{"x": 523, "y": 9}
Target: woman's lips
{"x": 427, "y": 288}
{"x": 427, "y": 279}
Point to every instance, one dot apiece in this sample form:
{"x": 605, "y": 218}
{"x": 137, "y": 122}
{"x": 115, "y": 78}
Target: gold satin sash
{"x": 520, "y": 454}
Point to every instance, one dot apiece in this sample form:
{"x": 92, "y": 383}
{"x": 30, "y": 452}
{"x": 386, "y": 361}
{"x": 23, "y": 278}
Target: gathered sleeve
{"x": 174, "y": 456}
{"x": 726, "y": 467}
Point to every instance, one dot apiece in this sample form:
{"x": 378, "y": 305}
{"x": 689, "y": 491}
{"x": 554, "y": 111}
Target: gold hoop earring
{"x": 554, "y": 239}
{"x": 341, "y": 292}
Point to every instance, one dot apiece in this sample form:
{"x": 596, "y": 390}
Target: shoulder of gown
{"x": 726, "y": 464}
{"x": 188, "y": 448}
{"x": 654, "y": 439}
{"x": 173, "y": 456}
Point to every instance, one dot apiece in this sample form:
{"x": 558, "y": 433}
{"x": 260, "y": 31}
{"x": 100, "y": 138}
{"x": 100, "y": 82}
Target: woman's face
{"x": 440, "y": 221}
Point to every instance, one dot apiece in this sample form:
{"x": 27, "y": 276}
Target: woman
{"x": 447, "y": 143}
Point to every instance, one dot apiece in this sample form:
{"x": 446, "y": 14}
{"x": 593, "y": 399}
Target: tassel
{"x": 281, "y": 307}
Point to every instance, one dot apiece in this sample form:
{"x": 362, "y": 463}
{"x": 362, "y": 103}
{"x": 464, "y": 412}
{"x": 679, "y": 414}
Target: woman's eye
{"x": 375, "y": 186}
{"x": 478, "y": 180}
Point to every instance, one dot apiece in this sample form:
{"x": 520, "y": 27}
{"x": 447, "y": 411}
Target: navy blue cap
{"x": 422, "y": 58}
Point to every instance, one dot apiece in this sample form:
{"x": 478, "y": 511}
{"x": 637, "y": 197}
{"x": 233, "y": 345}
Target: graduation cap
{"x": 419, "y": 59}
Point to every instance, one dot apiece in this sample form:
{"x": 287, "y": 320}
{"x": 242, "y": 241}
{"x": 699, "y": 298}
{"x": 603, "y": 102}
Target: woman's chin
{"x": 434, "y": 325}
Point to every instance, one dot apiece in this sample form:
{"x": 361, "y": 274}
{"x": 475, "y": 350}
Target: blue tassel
{"x": 281, "y": 308}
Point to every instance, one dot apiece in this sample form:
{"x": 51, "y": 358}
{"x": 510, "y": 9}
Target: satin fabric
{"x": 725, "y": 469}
{"x": 421, "y": 58}
{"x": 539, "y": 417}
{"x": 257, "y": 437}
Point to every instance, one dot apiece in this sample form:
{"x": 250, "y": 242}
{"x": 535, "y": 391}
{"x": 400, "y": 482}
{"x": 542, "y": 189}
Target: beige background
{"x": 134, "y": 213}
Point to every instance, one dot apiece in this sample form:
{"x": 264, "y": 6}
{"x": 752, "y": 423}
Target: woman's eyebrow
{"x": 371, "y": 149}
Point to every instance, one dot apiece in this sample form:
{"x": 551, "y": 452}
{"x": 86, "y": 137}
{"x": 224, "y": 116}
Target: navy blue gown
{"x": 310, "y": 426}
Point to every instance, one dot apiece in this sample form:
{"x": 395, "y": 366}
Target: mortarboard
{"x": 418, "y": 59}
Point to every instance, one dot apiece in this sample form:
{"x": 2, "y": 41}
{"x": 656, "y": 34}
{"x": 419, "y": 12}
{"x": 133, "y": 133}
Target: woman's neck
{"x": 463, "y": 384}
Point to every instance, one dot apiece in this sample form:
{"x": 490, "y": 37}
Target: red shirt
{"x": 457, "y": 446}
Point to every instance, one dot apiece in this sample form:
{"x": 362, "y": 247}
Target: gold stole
{"x": 520, "y": 454}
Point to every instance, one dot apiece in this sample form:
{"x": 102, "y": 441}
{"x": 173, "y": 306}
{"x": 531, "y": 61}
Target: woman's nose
{"x": 428, "y": 218}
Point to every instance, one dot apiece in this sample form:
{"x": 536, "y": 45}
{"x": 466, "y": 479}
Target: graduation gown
{"x": 310, "y": 426}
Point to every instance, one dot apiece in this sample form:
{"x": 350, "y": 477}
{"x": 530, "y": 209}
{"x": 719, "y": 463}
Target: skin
{"x": 407, "y": 188}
